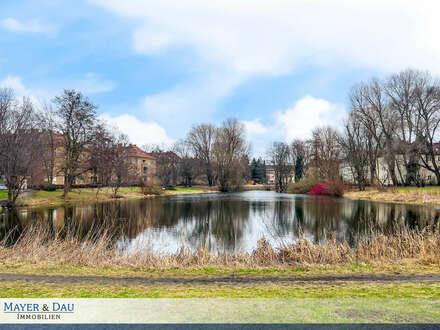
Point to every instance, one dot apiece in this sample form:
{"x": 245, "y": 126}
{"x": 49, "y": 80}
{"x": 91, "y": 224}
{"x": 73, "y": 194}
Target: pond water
{"x": 222, "y": 222}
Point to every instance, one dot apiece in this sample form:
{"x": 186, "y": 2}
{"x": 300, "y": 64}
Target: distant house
{"x": 142, "y": 167}
{"x": 423, "y": 175}
{"x": 270, "y": 174}
{"x": 143, "y": 164}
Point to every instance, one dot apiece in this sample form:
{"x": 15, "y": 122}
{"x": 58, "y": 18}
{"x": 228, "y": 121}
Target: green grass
{"x": 79, "y": 193}
{"x": 188, "y": 189}
{"x": 3, "y": 194}
{"x": 414, "y": 189}
{"x": 51, "y": 198}
{"x": 192, "y": 272}
{"x": 380, "y": 304}
{"x": 24, "y": 289}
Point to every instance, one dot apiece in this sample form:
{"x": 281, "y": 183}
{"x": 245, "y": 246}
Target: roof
{"x": 135, "y": 151}
{"x": 165, "y": 155}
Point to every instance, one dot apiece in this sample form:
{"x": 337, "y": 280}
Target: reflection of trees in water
{"x": 365, "y": 217}
{"x": 312, "y": 217}
{"x": 10, "y": 227}
{"x": 221, "y": 222}
{"x": 317, "y": 218}
{"x": 216, "y": 223}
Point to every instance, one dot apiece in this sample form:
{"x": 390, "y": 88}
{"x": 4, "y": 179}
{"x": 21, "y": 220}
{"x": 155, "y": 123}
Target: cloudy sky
{"x": 157, "y": 67}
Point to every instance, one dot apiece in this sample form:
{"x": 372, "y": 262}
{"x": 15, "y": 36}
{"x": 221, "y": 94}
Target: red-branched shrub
{"x": 328, "y": 188}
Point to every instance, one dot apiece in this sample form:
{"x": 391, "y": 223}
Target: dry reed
{"x": 38, "y": 244}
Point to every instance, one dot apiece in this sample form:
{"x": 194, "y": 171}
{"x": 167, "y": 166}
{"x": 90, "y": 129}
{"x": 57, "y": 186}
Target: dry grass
{"x": 52, "y": 198}
{"x": 39, "y": 245}
{"x": 303, "y": 186}
{"x": 409, "y": 195}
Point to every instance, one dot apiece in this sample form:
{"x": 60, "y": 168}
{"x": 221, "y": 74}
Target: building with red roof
{"x": 143, "y": 164}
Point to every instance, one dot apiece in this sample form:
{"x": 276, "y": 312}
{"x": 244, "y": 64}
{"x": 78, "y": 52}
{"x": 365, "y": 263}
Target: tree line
{"x": 65, "y": 137}
{"x": 217, "y": 154}
{"x": 30, "y": 137}
{"x": 392, "y": 123}
{"x": 395, "y": 120}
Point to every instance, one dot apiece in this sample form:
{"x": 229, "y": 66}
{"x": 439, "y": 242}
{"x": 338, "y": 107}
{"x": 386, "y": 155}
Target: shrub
{"x": 329, "y": 188}
{"x": 50, "y": 188}
{"x": 151, "y": 187}
{"x": 303, "y": 186}
{"x": 169, "y": 187}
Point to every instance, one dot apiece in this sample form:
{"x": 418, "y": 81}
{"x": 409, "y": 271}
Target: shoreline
{"x": 40, "y": 198}
{"x": 426, "y": 196}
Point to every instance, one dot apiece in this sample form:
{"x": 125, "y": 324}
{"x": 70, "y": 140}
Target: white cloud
{"x": 236, "y": 40}
{"x": 258, "y": 135}
{"x": 307, "y": 113}
{"x": 274, "y": 37}
{"x": 294, "y": 122}
{"x": 139, "y": 132}
{"x": 33, "y": 26}
{"x": 16, "y": 84}
{"x": 179, "y": 107}
{"x": 254, "y": 127}
{"x": 91, "y": 83}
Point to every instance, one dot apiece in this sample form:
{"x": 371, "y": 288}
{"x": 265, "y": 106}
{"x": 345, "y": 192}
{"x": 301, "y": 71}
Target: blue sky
{"x": 157, "y": 67}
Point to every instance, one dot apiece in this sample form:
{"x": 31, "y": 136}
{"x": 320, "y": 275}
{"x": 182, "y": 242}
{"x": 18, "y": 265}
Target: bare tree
{"x": 401, "y": 90}
{"x": 201, "y": 139}
{"x": 100, "y": 149}
{"x": 19, "y": 142}
{"x": 427, "y": 98}
{"x": 120, "y": 162}
{"x": 49, "y": 143}
{"x": 167, "y": 163}
{"x": 76, "y": 124}
{"x": 301, "y": 158}
{"x": 373, "y": 108}
{"x": 325, "y": 152}
{"x": 230, "y": 155}
{"x": 280, "y": 156}
{"x": 189, "y": 166}
{"x": 354, "y": 145}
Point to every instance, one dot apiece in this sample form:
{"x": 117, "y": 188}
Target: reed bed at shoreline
{"x": 39, "y": 245}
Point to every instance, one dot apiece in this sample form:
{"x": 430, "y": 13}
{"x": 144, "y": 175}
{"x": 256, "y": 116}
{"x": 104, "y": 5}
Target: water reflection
{"x": 221, "y": 222}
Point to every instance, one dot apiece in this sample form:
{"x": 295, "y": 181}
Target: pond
{"x": 222, "y": 222}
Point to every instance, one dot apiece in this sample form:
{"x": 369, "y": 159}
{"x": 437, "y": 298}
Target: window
{"x": 145, "y": 169}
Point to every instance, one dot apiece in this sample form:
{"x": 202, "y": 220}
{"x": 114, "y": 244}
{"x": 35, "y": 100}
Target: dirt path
{"x": 221, "y": 280}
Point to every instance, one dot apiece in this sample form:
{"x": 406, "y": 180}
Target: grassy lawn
{"x": 204, "y": 272}
{"x": 410, "y": 195}
{"x": 404, "y": 303}
{"x": 50, "y": 198}
{"x": 323, "y": 301}
{"x": 3, "y": 194}
{"x": 188, "y": 189}
{"x": 25, "y": 289}
{"x": 418, "y": 189}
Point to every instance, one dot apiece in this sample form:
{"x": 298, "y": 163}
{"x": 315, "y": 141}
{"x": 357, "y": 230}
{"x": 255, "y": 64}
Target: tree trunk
{"x": 67, "y": 186}
{"x": 10, "y": 197}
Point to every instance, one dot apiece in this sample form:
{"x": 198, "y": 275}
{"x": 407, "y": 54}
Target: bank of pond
{"x": 220, "y": 222}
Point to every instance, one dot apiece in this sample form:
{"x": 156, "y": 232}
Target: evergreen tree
{"x": 299, "y": 168}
